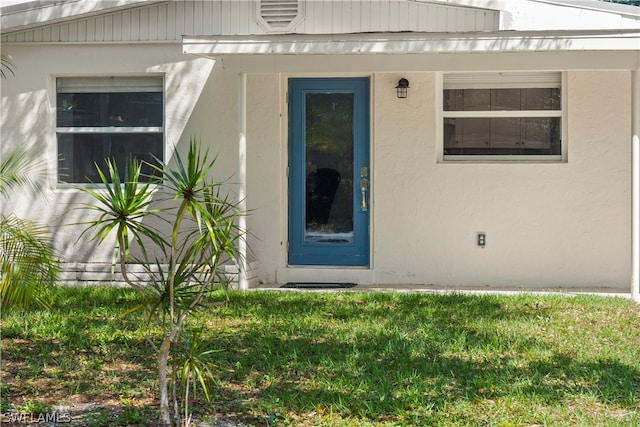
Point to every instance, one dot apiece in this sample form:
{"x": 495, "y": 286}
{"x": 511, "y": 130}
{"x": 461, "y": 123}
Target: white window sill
{"x": 502, "y": 159}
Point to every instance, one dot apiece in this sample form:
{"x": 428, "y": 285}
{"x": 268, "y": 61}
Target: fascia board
{"x": 493, "y": 5}
{"x": 599, "y": 6}
{"x": 504, "y": 5}
{"x": 413, "y": 43}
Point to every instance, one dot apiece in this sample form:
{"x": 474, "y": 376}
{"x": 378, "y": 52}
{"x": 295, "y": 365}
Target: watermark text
{"x": 29, "y": 418}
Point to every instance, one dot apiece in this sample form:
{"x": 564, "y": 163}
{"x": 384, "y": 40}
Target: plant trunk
{"x": 186, "y": 402}
{"x": 174, "y": 396}
{"x": 163, "y": 384}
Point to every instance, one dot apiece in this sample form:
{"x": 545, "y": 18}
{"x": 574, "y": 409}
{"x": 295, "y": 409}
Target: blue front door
{"x": 329, "y": 172}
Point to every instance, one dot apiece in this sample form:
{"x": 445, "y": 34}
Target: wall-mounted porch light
{"x": 402, "y": 88}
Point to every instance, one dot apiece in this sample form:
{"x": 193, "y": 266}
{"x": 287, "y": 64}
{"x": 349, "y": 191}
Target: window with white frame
{"x": 99, "y": 118}
{"x": 502, "y": 116}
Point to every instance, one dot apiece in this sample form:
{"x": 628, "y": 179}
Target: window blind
{"x": 109, "y": 84}
{"x": 506, "y": 80}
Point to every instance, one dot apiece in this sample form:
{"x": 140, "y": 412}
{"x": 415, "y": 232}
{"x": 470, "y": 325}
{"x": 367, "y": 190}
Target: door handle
{"x": 364, "y": 187}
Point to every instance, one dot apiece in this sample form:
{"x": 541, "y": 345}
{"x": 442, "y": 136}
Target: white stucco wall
{"x": 200, "y": 102}
{"x": 547, "y": 224}
{"x": 558, "y": 224}
{"x": 564, "y": 224}
{"x": 266, "y": 173}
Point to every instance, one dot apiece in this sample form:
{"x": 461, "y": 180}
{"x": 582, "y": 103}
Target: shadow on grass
{"x": 384, "y": 357}
{"x": 81, "y": 348}
{"x": 408, "y": 358}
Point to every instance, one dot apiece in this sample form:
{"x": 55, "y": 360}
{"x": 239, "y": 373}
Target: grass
{"x": 346, "y": 359}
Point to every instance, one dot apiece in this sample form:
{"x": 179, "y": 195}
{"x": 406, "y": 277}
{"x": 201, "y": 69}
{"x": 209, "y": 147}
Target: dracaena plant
{"x": 199, "y": 236}
{"x": 28, "y": 265}
{"x": 6, "y": 66}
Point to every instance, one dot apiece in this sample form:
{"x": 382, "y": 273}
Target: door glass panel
{"x": 329, "y": 167}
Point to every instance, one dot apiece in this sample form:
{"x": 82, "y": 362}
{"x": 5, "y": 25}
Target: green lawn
{"x": 352, "y": 359}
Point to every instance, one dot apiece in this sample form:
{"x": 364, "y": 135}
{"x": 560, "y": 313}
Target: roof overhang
{"x": 414, "y": 43}
{"x": 598, "y": 5}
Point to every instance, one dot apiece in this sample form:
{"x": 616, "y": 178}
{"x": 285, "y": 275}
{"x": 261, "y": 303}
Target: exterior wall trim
{"x": 414, "y": 43}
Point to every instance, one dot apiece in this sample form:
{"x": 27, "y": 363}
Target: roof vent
{"x": 279, "y": 15}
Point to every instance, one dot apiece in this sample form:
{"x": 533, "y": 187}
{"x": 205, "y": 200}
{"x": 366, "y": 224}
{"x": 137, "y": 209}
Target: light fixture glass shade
{"x": 402, "y": 88}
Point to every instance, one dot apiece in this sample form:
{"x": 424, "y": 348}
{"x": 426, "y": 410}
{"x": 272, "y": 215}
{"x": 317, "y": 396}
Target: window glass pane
{"x": 467, "y": 99}
{"x": 467, "y": 133}
{"x": 541, "y": 132}
{"x": 501, "y": 99}
{"x": 453, "y": 100}
{"x": 541, "y": 99}
{"x": 505, "y": 99}
{"x": 502, "y": 136}
{"x": 78, "y": 153}
{"x": 119, "y": 109}
{"x": 505, "y": 133}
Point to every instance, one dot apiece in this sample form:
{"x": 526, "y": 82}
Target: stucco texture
{"x": 556, "y": 224}
{"x": 548, "y": 225}
{"x": 199, "y": 103}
